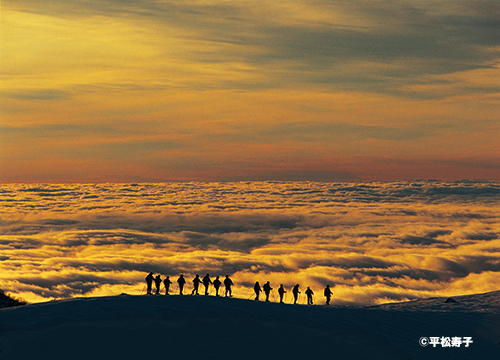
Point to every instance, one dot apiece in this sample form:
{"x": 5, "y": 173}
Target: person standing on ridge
{"x": 196, "y": 283}
{"x": 328, "y": 294}
{"x": 267, "y": 290}
{"x": 228, "y": 283}
{"x": 149, "y": 282}
{"x": 206, "y": 283}
{"x": 181, "y": 281}
{"x": 257, "y": 290}
{"x": 158, "y": 283}
{"x": 282, "y": 292}
{"x": 295, "y": 292}
{"x": 217, "y": 283}
{"x": 309, "y": 294}
{"x": 167, "y": 283}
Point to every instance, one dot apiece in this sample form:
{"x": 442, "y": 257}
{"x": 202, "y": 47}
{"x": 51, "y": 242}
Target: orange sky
{"x": 249, "y": 90}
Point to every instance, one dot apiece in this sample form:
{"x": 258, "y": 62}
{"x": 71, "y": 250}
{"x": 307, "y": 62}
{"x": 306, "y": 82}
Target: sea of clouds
{"x": 371, "y": 242}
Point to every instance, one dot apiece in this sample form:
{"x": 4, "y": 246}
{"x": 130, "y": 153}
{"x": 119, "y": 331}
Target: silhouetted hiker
{"x": 206, "y": 283}
{"x": 149, "y": 282}
{"x": 328, "y": 294}
{"x": 295, "y": 292}
{"x": 257, "y": 290}
{"x": 282, "y": 292}
{"x": 167, "y": 283}
{"x": 217, "y": 284}
{"x": 158, "y": 283}
{"x": 267, "y": 290}
{"x": 181, "y": 281}
{"x": 309, "y": 294}
{"x": 228, "y": 283}
{"x": 196, "y": 283}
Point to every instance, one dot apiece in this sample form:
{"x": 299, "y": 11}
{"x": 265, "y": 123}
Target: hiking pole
{"x": 144, "y": 288}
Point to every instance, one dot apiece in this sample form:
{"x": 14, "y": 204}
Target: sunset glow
{"x": 354, "y": 143}
{"x": 249, "y": 90}
{"x": 372, "y": 242}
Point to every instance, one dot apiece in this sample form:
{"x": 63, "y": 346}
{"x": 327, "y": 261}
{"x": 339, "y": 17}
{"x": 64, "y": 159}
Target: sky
{"x": 215, "y": 90}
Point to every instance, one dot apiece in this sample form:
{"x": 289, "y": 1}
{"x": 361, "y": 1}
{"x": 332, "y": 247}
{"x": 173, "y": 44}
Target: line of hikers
{"x": 181, "y": 281}
{"x": 228, "y": 283}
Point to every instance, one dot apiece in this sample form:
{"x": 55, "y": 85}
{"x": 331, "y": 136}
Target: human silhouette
{"x": 149, "y": 282}
{"x": 206, "y": 283}
{"x": 228, "y": 283}
{"x": 158, "y": 283}
{"x": 282, "y": 292}
{"x": 217, "y": 283}
{"x": 167, "y": 283}
{"x": 309, "y": 294}
{"x": 267, "y": 290}
{"x": 328, "y": 294}
{"x": 295, "y": 292}
{"x": 196, "y": 283}
{"x": 257, "y": 290}
{"x": 181, "y": 281}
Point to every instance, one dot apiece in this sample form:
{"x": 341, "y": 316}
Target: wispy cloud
{"x": 37, "y": 94}
{"x": 388, "y": 45}
{"x": 153, "y": 90}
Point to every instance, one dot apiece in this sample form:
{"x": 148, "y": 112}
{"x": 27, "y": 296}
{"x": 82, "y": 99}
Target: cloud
{"x": 420, "y": 240}
{"x": 302, "y": 131}
{"x": 372, "y": 241}
{"x": 37, "y": 94}
{"x": 233, "y": 242}
{"x": 379, "y": 46}
{"x": 173, "y": 90}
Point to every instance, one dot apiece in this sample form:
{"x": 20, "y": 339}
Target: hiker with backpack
{"x": 158, "y": 283}
{"x": 295, "y": 292}
{"x": 267, "y": 290}
{"x": 281, "y": 292}
{"x": 328, "y": 294}
{"x": 196, "y": 283}
{"x": 167, "y": 283}
{"x": 206, "y": 283}
{"x": 149, "y": 281}
{"x": 181, "y": 281}
{"x": 217, "y": 283}
{"x": 257, "y": 290}
{"x": 228, "y": 283}
{"x": 309, "y": 294}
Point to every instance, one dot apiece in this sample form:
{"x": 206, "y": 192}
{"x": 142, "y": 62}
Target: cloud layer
{"x": 151, "y": 91}
{"x": 257, "y": 44}
{"x": 372, "y": 242}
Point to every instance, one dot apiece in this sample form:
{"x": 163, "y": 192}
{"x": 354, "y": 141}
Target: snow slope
{"x": 189, "y": 327}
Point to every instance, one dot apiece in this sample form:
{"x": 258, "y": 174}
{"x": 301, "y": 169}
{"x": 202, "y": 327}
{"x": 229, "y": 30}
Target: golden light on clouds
{"x": 372, "y": 242}
{"x": 164, "y": 90}
{"x": 343, "y": 93}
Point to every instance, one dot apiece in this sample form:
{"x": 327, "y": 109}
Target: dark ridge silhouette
{"x": 7, "y": 301}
